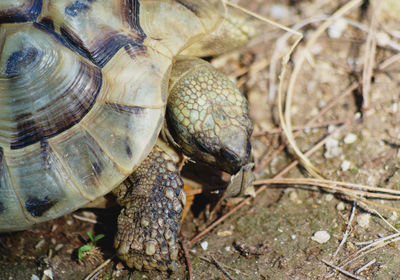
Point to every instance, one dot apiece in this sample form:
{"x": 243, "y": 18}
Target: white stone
{"x": 350, "y": 138}
{"x": 204, "y": 245}
{"x": 293, "y": 195}
{"x": 224, "y": 233}
{"x": 382, "y": 38}
{"x": 332, "y": 148}
{"x": 331, "y": 128}
{"x": 395, "y": 107}
{"x": 340, "y": 206}
{"x": 48, "y": 273}
{"x": 321, "y": 236}
{"x": 363, "y": 220}
{"x": 279, "y": 11}
{"x": 35, "y": 277}
{"x": 345, "y": 165}
{"x": 394, "y": 216}
{"x": 336, "y": 29}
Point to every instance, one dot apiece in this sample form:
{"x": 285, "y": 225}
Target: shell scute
{"x": 129, "y": 142}
{"x": 39, "y": 184}
{"x": 11, "y": 212}
{"x": 45, "y": 87}
{"x": 86, "y": 162}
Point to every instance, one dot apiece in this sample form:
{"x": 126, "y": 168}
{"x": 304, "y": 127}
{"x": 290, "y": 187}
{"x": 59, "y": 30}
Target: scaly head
{"x": 207, "y": 115}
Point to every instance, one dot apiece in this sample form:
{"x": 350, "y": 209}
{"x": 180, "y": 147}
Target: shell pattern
{"x": 83, "y": 88}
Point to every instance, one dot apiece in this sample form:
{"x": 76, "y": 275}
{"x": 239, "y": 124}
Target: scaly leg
{"x": 152, "y": 199}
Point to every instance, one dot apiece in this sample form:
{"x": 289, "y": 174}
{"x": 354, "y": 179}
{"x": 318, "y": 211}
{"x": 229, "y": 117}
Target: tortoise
{"x": 100, "y": 96}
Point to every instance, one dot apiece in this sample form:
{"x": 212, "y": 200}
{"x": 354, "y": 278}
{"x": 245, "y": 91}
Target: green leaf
{"x": 84, "y": 248}
{"x": 90, "y": 236}
{"x": 98, "y": 237}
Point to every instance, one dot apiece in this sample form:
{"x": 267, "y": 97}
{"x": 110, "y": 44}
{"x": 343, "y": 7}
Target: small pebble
{"x": 331, "y": 128}
{"x": 48, "y": 273}
{"x": 293, "y": 236}
{"x": 35, "y": 277}
{"x": 394, "y": 216}
{"x": 329, "y": 197}
{"x": 119, "y": 266}
{"x": 395, "y": 107}
{"x": 340, "y": 206}
{"x": 224, "y": 233}
{"x": 350, "y": 138}
{"x": 363, "y": 220}
{"x": 337, "y": 28}
{"x": 228, "y": 248}
{"x": 321, "y": 236}
{"x": 204, "y": 245}
{"x": 382, "y": 38}
{"x": 332, "y": 148}
{"x": 40, "y": 244}
{"x": 279, "y": 11}
{"x": 58, "y": 247}
{"x": 345, "y": 165}
{"x": 293, "y": 196}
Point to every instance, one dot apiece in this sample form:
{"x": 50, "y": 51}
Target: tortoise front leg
{"x": 152, "y": 199}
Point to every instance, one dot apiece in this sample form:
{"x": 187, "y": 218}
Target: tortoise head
{"x": 207, "y": 115}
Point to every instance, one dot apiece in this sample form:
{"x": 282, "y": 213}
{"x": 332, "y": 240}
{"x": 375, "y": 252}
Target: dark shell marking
{"x": 20, "y": 59}
{"x": 28, "y": 11}
{"x": 101, "y": 48}
{"x": 77, "y": 7}
{"x": 37, "y": 207}
{"x": 2, "y": 208}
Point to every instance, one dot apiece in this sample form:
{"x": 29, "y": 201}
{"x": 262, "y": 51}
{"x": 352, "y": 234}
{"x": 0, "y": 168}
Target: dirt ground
{"x": 287, "y": 231}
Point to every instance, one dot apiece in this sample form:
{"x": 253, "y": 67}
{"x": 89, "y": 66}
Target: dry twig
{"x": 89, "y": 277}
{"x": 348, "y": 229}
{"x": 188, "y": 263}
{"x": 226, "y": 267}
{"x": 341, "y": 270}
{"x": 365, "y": 266}
{"x": 369, "y": 58}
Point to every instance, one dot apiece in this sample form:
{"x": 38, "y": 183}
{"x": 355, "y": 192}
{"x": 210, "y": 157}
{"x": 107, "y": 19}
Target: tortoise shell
{"x": 83, "y": 89}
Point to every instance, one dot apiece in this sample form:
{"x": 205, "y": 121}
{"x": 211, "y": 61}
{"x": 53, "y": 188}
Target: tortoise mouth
{"x": 232, "y": 161}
